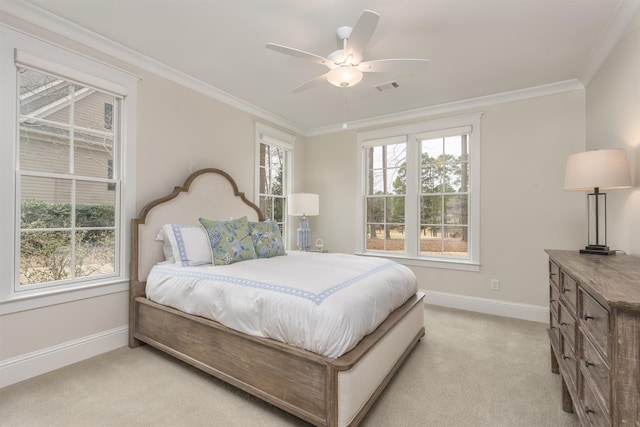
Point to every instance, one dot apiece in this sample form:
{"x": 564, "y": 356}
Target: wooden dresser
{"x": 594, "y": 328}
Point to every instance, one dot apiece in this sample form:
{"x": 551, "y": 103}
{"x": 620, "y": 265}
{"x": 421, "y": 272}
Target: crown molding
{"x": 618, "y": 23}
{"x": 60, "y": 26}
{"x": 451, "y": 107}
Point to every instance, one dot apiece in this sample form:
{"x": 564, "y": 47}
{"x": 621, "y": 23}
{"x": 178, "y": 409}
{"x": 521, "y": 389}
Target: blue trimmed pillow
{"x": 185, "y": 245}
{"x": 230, "y": 240}
{"x": 267, "y": 239}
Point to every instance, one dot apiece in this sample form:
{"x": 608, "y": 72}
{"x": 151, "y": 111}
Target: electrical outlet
{"x": 495, "y": 284}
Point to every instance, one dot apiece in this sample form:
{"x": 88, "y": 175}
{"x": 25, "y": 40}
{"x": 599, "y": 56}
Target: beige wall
{"x": 28, "y": 331}
{"x": 613, "y": 121}
{"x": 523, "y": 206}
{"x": 180, "y": 129}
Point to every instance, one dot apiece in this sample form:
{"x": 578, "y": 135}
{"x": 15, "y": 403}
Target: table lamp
{"x": 303, "y": 204}
{"x": 594, "y": 171}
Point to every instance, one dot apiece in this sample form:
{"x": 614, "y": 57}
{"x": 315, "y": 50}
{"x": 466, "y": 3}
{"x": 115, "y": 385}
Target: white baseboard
{"x": 515, "y": 310}
{"x": 42, "y": 361}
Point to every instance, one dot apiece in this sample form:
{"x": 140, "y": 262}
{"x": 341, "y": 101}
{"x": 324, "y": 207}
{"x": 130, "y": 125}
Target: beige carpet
{"x": 470, "y": 370}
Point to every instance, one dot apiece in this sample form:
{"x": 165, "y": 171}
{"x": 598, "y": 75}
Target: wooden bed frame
{"x": 315, "y": 388}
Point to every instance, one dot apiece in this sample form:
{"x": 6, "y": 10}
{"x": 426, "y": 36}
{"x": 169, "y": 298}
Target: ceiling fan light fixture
{"x": 344, "y": 76}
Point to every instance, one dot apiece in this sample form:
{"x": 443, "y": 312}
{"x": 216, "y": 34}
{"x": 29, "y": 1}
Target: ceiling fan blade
{"x": 300, "y": 54}
{"x": 393, "y": 65}
{"x": 306, "y": 85}
{"x": 361, "y": 34}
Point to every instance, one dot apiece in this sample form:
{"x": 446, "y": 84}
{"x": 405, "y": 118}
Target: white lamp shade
{"x": 603, "y": 169}
{"x": 345, "y": 76}
{"x": 300, "y": 204}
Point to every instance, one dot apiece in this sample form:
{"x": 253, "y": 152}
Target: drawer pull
{"x": 588, "y": 364}
{"x": 588, "y": 410}
{"x": 565, "y": 357}
{"x": 588, "y": 317}
{"x": 565, "y": 290}
{"x": 563, "y": 324}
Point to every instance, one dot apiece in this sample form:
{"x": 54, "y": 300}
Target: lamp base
{"x": 597, "y": 250}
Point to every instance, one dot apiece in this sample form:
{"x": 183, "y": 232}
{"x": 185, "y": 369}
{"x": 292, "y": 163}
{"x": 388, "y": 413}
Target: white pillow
{"x": 185, "y": 245}
{"x": 166, "y": 246}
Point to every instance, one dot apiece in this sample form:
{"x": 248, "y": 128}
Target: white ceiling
{"x": 476, "y": 47}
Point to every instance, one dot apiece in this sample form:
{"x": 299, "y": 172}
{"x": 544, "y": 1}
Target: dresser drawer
{"x": 554, "y": 326}
{"x": 595, "y": 369}
{"x": 554, "y": 300}
{"x": 567, "y": 325}
{"x": 554, "y": 274}
{"x": 569, "y": 290}
{"x": 569, "y": 360}
{"x": 591, "y": 408}
{"x": 594, "y": 320}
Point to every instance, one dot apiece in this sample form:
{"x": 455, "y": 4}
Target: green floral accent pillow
{"x": 230, "y": 240}
{"x": 267, "y": 239}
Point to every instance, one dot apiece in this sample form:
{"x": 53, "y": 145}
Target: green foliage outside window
{"x": 48, "y": 255}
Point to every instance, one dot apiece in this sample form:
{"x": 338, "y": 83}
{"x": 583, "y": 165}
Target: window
{"x": 69, "y": 123}
{"x": 273, "y": 160}
{"x": 385, "y": 194}
{"x": 67, "y": 213}
{"x": 420, "y": 188}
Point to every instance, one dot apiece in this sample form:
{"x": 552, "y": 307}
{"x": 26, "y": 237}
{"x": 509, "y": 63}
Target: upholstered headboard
{"x": 207, "y": 193}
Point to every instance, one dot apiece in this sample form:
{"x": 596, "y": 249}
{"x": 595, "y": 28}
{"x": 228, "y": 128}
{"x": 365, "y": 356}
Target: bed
{"x": 318, "y": 388}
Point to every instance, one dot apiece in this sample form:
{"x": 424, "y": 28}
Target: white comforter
{"x": 325, "y": 303}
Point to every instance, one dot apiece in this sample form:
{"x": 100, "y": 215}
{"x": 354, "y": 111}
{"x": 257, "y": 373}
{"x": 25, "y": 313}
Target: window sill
{"x": 423, "y": 262}
{"x": 46, "y": 297}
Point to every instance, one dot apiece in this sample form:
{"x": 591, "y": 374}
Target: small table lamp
{"x": 303, "y": 204}
{"x": 594, "y": 171}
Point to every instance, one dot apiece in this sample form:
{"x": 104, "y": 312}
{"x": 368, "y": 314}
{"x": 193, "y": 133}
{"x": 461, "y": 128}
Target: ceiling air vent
{"x": 387, "y": 86}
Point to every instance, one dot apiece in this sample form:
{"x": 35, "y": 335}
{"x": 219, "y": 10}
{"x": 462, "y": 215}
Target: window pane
{"x": 432, "y": 147}
{"x": 455, "y": 241}
{"x": 430, "y": 239}
{"x": 95, "y": 205}
{"x": 278, "y": 209}
{"x": 93, "y": 110}
{"x": 395, "y": 210}
{"x": 44, "y": 147}
{"x": 375, "y": 210}
{"x": 432, "y": 175}
{"x": 93, "y": 153}
{"x": 394, "y": 239}
{"x": 266, "y": 206}
{"x": 431, "y": 210}
{"x": 453, "y": 145}
{"x": 264, "y": 186}
{"x": 46, "y": 203}
{"x": 375, "y": 183}
{"x": 45, "y": 256}
{"x": 386, "y": 169}
{"x": 455, "y": 209}
{"x": 42, "y": 95}
{"x": 95, "y": 252}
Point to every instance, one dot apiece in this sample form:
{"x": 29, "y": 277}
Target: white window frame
{"x": 20, "y": 48}
{"x": 411, "y": 255}
{"x": 271, "y": 136}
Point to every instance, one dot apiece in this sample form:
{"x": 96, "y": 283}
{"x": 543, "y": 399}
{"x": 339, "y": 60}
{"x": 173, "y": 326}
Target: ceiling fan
{"x": 345, "y": 65}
